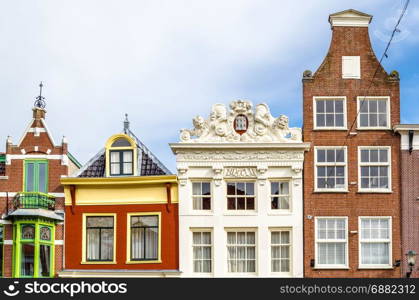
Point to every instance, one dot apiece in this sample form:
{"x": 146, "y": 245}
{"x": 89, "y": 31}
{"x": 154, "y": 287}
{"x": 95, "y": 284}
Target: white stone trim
{"x": 4, "y": 177}
{"x": 63, "y": 157}
{"x": 12, "y": 194}
{"x": 8, "y": 242}
{"x": 59, "y": 242}
{"x": 5, "y": 222}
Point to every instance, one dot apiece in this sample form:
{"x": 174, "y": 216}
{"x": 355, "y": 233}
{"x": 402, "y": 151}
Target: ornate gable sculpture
{"x": 240, "y": 124}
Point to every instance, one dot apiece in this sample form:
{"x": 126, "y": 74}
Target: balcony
{"x": 33, "y": 200}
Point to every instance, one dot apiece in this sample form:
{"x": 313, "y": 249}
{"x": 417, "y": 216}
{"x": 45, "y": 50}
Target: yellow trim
{"x": 128, "y": 258}
{"x": 108, "y": 147}
{"x": 84, "y": 247}
{"x": 118, "y": 180}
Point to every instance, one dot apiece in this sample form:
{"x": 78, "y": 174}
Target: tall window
{"x": 329, "y": 113}
{"x": 330, "y": 173}
{"x": 280, "y": 251}
{"x": 121, "y": 162}
{"x": 144, "y": 237}
{"x": 331, "y": 242}
{"x": 241, "y": 195}
{"x": 201, "y": 195}
{"x": 280, "y": 195}
{"x": 375, "y": 241}
{"x": 1, "y": 250}
{"x": 202, "y": 251}
{"x": 100, "y": 238}
{"x": 373, "y": 112}
{"x": 36, "y": 176}
{"x": 241, "y": 252}
{"x": 374, "y": 164}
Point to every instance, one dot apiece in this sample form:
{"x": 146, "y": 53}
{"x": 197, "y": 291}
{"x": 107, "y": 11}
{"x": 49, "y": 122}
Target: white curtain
{"x": 93, "y": 244}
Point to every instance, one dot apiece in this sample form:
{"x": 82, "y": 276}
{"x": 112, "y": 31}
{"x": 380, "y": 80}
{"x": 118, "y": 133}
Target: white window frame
{"x": 380, "y": 98}
{"x": 387, "y": 164}
{"x": 290, "y": 204}
{"x": 194, "y": 230}
{"x": 390, "y": 241}
{"x": 281, "y": 229}
{"x": 329, "y": 98}
{"x": 316, "y": 251}
{"x": 356, "y": 61}
{"x": 345, "y": 164}
{"x": 236, "y": 230}
{"x": 193, "y": 196}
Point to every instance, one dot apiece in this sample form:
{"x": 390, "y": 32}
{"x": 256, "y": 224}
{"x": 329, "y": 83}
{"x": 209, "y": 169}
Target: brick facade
{"x": 328, "y": 81}
{"x": 35, "y": 142}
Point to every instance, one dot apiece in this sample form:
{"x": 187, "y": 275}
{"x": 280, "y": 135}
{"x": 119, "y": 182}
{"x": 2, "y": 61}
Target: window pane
{"x": 321, "y": 155}
{"x": 320, "y": 122}
{"x": 373, "y": 155}
{"x": 330, "y": 106}
{"x": 99, "y": 221}
{"x": 231, "y": 188}
{"x": 274, "y": 188}
{"x": 339, "y": 120}
{"x": 382, "y": 120}
{"x": 330, "y": 156}
{"x": 363, "y": 120}
{"x": 206, "y": 203}
{"x": 127, "y": 156}
{"x": 250, "y": 203}
{"x": 196, "y": 188}
{"x": 206, "y": 188}
{"x": 121, "y": 142}
{"x": 365, "y": 155}
{"x": 340, "y": 155}
{"x": 42, "y": 177}
{"x": 151, "y": 243}
{"x": 330, "y": 118}
{"x": 145, "y": 221}
{"x": 240, "y": 188}
{"x": 373, "y": 106}
{"x": 29, "y": 180}
{"x": 373, "y": 120}
{"x": 114, "y": 157}
{"x": 320, "y": 106}
{"x": 127, "y": 168}
{"x": 93, "y": 241}
{"x": 363, "y": 106}
{"x": 106, "y": 237}
{"x": 27, "y": 260}
{"x": 339, "y": 106}
{"x": 382, "y": 106}
{"x": 44, "y": 260}
{"x": 137, "y": 243}
{"x": 383, "y": 155}
{"x": 250, "y": 188}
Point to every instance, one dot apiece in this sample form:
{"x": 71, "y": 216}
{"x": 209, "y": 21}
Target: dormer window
{"x": 121, "y": 162}
{"x": 121, "y": 153}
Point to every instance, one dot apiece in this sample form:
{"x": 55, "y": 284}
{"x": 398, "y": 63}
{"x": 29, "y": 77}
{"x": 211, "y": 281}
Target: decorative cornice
{"x": 240, "y": 124}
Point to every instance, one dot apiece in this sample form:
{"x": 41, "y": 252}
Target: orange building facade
{"x": 122, "y": 214}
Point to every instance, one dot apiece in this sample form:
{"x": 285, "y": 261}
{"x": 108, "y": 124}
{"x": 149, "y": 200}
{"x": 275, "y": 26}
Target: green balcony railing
{"x": 34, "y": 200}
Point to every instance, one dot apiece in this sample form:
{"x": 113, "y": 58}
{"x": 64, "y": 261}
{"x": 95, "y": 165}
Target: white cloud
{"x": 160, "y": 61}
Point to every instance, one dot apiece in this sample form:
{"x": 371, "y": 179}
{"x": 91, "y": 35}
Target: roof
{"x": 350, "y": 12}
{"x": 148, "y": 163}
{"x": 350, "y": 17}
{"x": 36, "y": 212}
{"x": 74, "y": 160}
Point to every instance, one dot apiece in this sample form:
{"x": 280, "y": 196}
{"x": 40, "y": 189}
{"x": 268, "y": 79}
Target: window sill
{"x": 329, "y": 129}
{"x": 330, "y": 191}
{"x": 240, "y": 213}
{"x": 98, "y": 263}
{"x": 375, "y": 267}
{"x": 372, "y": 191}
{"x": 331, "y": 268}
{"x": 144, "y": 262}
{"x": 280, "y": 213}
{"x": 373, "y": 128}
{"x": 4, "y": 177}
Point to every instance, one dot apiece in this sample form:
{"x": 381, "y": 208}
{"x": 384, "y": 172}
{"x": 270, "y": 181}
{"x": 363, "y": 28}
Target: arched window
{"x": 121, "y": 156}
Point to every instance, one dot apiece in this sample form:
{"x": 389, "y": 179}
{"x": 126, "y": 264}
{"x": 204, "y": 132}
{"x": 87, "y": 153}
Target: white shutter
{"x": 351, "y": 67}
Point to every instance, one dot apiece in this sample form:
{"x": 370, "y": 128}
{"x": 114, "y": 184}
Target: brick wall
{"x": 327, "y": 81}
{"x": 410, "y": 207}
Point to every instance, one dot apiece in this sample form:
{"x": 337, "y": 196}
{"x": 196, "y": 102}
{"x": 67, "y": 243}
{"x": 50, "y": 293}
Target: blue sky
{"x": 163, "y": 62}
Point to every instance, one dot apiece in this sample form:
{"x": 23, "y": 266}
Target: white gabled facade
{"x": 240, "y": 151}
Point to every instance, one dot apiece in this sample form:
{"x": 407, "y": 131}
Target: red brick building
{"x": 32, "y": 201}
{"x": 351, "y": 173}
{"x": 409, "y": 156}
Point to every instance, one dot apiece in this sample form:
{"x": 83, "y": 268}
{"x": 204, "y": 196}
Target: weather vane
{"x": 40, "y": 100}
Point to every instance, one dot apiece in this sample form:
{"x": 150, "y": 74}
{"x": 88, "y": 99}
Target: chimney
{"x": 350, "y": 18}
